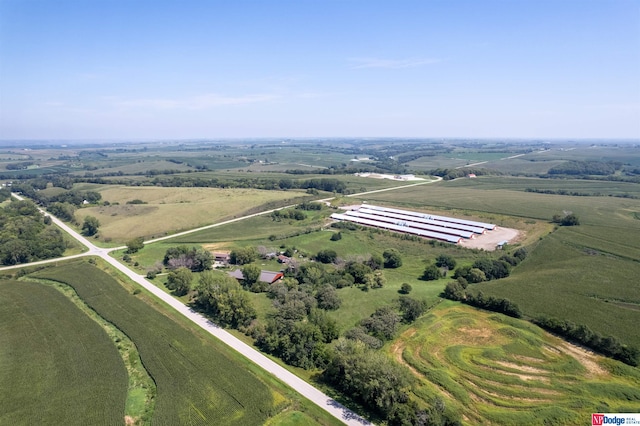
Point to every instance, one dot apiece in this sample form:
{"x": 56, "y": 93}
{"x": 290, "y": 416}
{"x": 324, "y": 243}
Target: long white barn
{"x": 441, "y": 223}
{"x": 436, "y": 227}
{"x": 488, "y": 226}
{"x": 411, "y": 224}
{"x": 393, "y": 227}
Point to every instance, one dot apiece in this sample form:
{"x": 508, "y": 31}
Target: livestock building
{"x": 442, "y": 228}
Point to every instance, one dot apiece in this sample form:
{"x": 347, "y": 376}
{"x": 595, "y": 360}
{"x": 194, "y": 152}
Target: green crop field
{"x": 199, "y": 381}
{"x": 493, "y": 369}
{"x": 574, "y": 273}
{"x": 57, "y": 366}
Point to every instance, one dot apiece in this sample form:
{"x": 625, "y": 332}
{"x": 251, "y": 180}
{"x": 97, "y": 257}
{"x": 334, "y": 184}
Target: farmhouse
{"x": 268, "y": 277}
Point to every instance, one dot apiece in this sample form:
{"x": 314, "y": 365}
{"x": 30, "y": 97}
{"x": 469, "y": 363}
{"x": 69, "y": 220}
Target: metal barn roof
{"x": 489, "y": 226}
{"x": 474, "y": 229}
{"x": 393, "y": 227}
{"x": 411, "y": 224}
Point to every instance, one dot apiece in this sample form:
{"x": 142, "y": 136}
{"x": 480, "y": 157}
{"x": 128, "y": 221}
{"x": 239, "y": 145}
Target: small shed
{"x": 501, "y": 245}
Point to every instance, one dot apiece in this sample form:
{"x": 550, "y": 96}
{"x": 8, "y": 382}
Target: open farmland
{"x": 199, "y": 381}
{"x": 167, "y": 210}
{"x": 573, "y": 273}
{"x": 498, "y": 370}
{"x": 67, "y": 372}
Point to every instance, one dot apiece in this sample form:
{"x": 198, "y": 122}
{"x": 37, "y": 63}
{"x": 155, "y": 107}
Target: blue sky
{"x": 110, "y": 69}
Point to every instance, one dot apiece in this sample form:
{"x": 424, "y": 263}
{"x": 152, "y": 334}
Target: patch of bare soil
{"x": 525, "y": 368}
{"x": 489, "y": 241}
{"x": 503, "y": 397}
{"x": 528, "y": 359}
{"x": 129, "y": 421}
{"x": 586, "y": 358}
{"x": 523, "y": 377}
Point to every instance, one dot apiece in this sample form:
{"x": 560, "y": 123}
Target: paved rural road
{"x": 305, "y": 389}
{"x": 316, "y": 396}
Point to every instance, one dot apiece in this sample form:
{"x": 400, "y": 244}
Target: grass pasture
{"x": 199, "y": 381}
{"x": 578, "y": 273}
{"x": 493, "y": 369}
{"x": 170, "y": 210}
{"x": 67, "y": 372}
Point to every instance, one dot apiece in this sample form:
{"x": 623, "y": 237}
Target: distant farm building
{"x": 425, "y": 225}
{"x": 222, "y": 258}
{"x": 268, "y": 277}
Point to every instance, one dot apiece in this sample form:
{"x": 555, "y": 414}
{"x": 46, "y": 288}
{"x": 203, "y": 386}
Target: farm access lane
{"x": 305, "y": 389}
{"x": 237, "y": 219}
{"x": 316, "y": 396}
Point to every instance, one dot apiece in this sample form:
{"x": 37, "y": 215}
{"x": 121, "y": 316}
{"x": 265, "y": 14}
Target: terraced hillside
{"x": 498, "y": 370}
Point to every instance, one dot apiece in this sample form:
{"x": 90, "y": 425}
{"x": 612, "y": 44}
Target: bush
{"x": 326, "y": 256}
{"x": 431, "y": 273}
{"x": 405, "y": 288}
{"x": 392, "y": 258}
{"x": 446, "y": 261}
{"x": 336, "y": 236}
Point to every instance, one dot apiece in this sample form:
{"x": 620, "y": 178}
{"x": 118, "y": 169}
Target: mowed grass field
{"x": 198, "y": 381}
{"x": 57, "y": 366}
{"x": 587, "y": 274}
{"x": 494, "y": 369}
{"x": 169, "y": 210}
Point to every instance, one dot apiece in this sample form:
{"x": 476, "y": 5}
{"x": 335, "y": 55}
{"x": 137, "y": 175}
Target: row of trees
{"x": 582, "y": 334}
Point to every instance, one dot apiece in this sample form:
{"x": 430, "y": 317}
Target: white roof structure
{"x": 394, "y": 227}
{"x": 484, "y": 225}
{"x": 441, "y": 223}
{"x": 412, "y": 224}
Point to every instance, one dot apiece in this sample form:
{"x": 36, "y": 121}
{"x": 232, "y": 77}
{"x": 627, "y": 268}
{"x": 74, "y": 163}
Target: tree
{"x": 251, "y": 275}
{"x": 202, "y": 259}
{"x": 326, "y": 256}
{"x": 431, "y": 273}
{"x": 375, "y": 262}
{"x": 383, "y": 323}
{"x": 328, "y": 298}
{"x": 179, "y": 281}
{"x": 411, "y": 309}
{"x": 221, "y": 297}
{"x": 446, "y": 261}
{"x": 454, "y": 291}
{"x": 134, "y": 245}
{"x": 90, "y": 226}
{"x": 336, "y": 236}
{"x": 243, "y": 255}
{"x": 392, "y": 258}
{"x": 358, "y": 271}
{"x": 369, "y": 376}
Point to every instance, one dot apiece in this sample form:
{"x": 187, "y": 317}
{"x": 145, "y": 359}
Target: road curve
{"x": 305, "y": 389}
